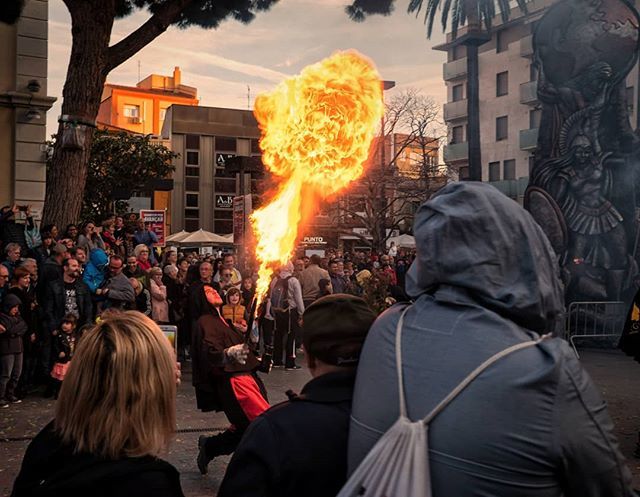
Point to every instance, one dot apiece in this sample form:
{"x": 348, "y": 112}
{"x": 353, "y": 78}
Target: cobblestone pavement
{"x": 615, "y": 374}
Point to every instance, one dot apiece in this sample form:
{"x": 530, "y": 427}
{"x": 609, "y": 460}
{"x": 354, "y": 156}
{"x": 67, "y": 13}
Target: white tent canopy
{"x": 178, "y": 237}
{"x": 402, "y": 241}
{"x": 202, "y": 237}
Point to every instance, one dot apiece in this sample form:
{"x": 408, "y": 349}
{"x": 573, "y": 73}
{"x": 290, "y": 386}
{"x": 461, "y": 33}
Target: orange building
{"x": 142, "y": 109}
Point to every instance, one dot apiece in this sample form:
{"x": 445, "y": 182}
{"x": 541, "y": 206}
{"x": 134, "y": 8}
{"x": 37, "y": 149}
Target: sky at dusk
{"x": 278, "y": 43}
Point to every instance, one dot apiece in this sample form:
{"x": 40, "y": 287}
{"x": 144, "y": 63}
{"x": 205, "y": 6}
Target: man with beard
{"x": 224, "y": 378}
{"x": 68, "y": 295}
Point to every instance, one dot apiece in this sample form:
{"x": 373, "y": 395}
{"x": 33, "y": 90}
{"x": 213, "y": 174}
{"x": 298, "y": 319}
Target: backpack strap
{"x": 463, "y": 384}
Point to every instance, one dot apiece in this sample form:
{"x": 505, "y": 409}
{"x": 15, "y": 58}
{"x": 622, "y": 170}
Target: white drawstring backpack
{"x": 398, "y": 464}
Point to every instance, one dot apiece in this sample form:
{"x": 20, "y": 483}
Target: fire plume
{"x": 317, "y": 129}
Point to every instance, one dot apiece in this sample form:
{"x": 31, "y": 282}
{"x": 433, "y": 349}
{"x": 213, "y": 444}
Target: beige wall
{"x": 23, "y": 59}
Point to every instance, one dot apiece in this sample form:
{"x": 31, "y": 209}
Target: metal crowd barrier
{"x": 594, "y": 320}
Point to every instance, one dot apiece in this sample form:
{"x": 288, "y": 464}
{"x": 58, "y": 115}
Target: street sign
{"x": 241, "y": 213}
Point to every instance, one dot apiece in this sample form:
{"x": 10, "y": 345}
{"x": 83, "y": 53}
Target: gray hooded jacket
{"x": 533, "y": 424}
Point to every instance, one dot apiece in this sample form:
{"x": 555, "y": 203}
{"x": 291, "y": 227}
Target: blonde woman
{"x": 159, "y": 303}
{"x": 142, "y": 255}
{"x": 114, "y": 417}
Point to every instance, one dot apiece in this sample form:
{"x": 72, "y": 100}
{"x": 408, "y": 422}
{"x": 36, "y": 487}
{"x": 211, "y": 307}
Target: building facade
{"x": 509, "y": 108}
{"x": 23, "y": 107}
{"x": 203, "y": 189}
{"x": 142, "y": 109}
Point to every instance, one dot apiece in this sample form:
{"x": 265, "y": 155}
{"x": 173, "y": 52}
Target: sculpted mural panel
{"x": 583, "y": 183}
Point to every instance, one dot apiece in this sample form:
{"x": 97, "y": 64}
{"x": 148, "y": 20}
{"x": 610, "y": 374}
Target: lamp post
{"x": 382, "y": 226}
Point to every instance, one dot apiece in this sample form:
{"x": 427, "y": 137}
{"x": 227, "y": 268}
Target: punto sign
{"x": 314, "y": 240}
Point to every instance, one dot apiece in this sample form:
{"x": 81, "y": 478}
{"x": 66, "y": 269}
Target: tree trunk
{"x": 92, "y": 21}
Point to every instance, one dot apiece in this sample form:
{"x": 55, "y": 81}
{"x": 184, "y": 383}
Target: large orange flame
{"x": 317, "y": 130}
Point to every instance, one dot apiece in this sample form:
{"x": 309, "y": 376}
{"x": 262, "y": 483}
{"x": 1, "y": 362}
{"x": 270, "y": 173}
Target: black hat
{"x": 334, "y": 328}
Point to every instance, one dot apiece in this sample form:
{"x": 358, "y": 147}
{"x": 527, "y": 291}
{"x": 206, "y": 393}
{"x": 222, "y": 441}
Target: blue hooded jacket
{"x": 94, "y": 272}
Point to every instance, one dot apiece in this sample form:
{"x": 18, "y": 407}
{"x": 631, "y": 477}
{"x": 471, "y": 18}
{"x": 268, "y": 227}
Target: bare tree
{"x": 386, "y": 197}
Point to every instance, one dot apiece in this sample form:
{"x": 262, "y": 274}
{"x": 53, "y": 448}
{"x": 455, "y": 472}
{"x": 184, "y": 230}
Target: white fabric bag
{"x": 398, "y": 464}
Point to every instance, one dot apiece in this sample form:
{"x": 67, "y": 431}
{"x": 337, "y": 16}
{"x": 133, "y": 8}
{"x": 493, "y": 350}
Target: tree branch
{"x": 145, "y": 34}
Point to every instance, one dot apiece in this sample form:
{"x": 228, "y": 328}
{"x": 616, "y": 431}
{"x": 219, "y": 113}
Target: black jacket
{"x": 50, "y": 468}
{"x": 54, "y": 309}
{"x": 12, "y": 232}
{"x": 15, "y": 327}
{"x": 50, "y": 271}
{"x": 297, "y": 448}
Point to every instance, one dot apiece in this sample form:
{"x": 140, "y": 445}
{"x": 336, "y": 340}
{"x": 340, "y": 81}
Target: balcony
{"x": 526, "y": 46}
{"x": 456, "y": 152}
{"x": 455, "y": 110}
{"x": 454, "y": 70}
{"x": 528, "y": 139}
{"x": 529, "y": 93}
{"x": 512, "y": 188}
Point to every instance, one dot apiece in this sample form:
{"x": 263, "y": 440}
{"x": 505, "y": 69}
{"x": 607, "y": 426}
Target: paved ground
{"x": 615, "y": 374}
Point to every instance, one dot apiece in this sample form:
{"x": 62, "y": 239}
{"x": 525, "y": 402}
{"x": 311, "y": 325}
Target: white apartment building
{"x": 509, "y": 108}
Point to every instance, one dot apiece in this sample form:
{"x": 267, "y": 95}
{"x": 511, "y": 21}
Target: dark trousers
{"x": 10, "y": 370}
{"x": 226, "y": 442}
{"x": 285, "y": 334}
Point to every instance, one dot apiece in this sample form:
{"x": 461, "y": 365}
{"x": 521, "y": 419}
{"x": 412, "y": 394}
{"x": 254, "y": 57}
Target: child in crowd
{"x": 324, "y": 285}
{"x": 64, "y": 346}
{"x": 12, "y": 328}
{"x": 234, "y": 312}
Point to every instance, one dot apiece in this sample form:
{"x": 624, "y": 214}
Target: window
{"x": 458, "y": 52}
{"x": 255, "y": 147}
{"x": 193, "y": 142}
{"x": 533, "y": 72}
{"x": 192, "y": 171}
{"x": 509, "y": 169}
{"x": 502, "y": 83}
{"x": 225, "y": 186}
{"x": 220, "y": 214}
{"x": 502, "y": 128}
{"x": 630, "y": 99}
{"x": 221, "y": 172}
{"x": 457, "y": 134}
{"x": 501, "y": 41}
{"x": 222, "y": 226}
{"x": 225, "y": 144}
{"x": 457, "y": 93}
{"x": 191, "y": 200}
{"x": 192, "y": 184}
{"x": 163, "y": 114}
{"x": 193, "y": 158}
{"x": 494, "y": 171}
{"x": 192, "y": 224}
{"x": 532, "y": 161}
{"x": 534, "y": 118}
{"x": 191, "y": 214}
{"x": 132, "y": 111}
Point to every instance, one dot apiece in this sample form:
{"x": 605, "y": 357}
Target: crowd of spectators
{"x": 73, "y": 275}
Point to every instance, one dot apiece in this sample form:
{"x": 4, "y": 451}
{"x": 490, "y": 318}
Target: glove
{"x": 238, "y": 353}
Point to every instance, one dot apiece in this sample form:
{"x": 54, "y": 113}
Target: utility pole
{"x": 382, "y": 205}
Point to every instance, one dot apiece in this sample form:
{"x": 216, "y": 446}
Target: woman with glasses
{"x": 142, "y": 255}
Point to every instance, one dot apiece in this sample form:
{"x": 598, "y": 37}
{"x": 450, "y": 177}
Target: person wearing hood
{"x": 287, "y": 307}
{"x": 101, "y": 443}
{"x": 533, "y": 423}
{"x": 224, "y": 378}
{"x": 12, "y": 328}
{"x": 94, "y": 272}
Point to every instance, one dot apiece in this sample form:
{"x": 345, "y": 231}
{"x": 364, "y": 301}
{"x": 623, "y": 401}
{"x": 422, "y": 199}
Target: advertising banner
{"x": 158, "y": 220}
